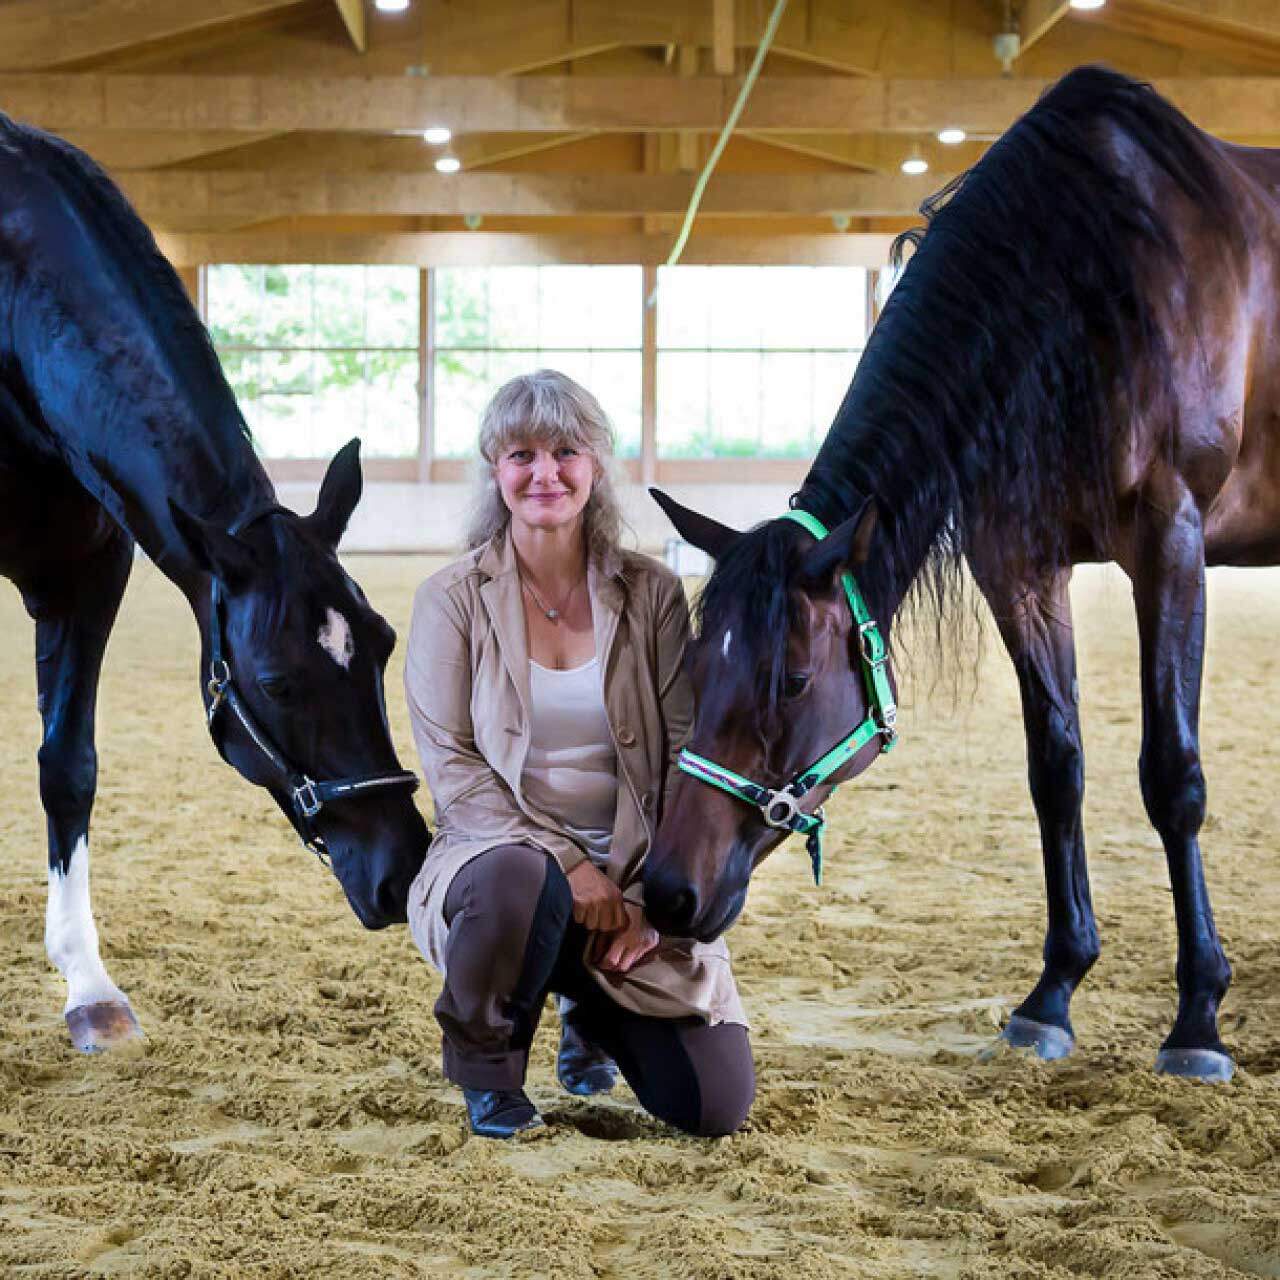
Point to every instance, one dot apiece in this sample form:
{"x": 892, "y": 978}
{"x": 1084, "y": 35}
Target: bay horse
{"x": 1081, "y": 362}
{"x": 118, "y": 427}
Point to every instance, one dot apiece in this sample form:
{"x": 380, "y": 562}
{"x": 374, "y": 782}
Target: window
{"x": 318, "y": 354}
{"x": 754, "y": 361}
{"x": 492, "y": 323}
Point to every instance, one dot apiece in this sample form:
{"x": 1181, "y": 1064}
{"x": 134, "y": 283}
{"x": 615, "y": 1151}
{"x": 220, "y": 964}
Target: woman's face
{"x": 543, "y": 487}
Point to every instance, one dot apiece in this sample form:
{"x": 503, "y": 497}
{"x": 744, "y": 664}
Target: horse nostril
{"x": 683, "y": 905}
{"x": 672, "y": 905}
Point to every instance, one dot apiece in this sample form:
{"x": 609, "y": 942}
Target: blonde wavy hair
{"x": 548, "y": 408}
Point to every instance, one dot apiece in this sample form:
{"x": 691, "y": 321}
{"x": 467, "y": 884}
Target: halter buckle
{"x": 873, "y": 650}
{"x": 219, "y": 678}
{"x": 305, "y": 799}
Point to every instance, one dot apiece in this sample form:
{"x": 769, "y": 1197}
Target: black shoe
{"x": 500, "y": 1113}
{"x": 583, "y": 1068}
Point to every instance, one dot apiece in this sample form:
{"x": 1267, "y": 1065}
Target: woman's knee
{"x": 715, "y": 1096}
{"x": 510, "y": 885}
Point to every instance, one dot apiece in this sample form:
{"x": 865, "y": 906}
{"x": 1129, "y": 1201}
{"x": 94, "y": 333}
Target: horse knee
{"x": 1057, "y": 769}
{"x": 1173, "y": 789}
{"x": 68, "y": 778}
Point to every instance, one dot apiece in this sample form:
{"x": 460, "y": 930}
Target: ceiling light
{"x": 448, "y": 164}
{"x": 952, "y": 137}
{"x": 1087, "y": 4}
{"x": 915, "y": 165}
{"x": 391, "y": 6}
{"x": 437, "y": 135}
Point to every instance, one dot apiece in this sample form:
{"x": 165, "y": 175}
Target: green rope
{"x": 770, "y": 30}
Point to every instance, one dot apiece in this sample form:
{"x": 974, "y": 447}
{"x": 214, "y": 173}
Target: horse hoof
{"x": 95, "y": 1028}
{"x": 1049, "y": 1042}
{"x": 1195, "y": 1064}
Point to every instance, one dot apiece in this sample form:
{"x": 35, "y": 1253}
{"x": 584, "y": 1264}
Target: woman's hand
{"x": 628, "y": 946}
{"x": 597, "y": 901}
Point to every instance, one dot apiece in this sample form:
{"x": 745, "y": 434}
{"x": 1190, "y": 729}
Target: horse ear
{"x": 846, "y": 546}
{"x": 343, "y": 484}
{"x": 214, "y": 549}
{"x": 700, "y": 531}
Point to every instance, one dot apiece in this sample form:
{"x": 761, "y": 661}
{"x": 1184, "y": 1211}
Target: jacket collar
{"x": 501, "y": 595}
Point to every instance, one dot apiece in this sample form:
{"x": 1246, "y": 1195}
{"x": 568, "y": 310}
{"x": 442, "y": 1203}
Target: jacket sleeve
{"x": 437, "y": 682}
{"x": 675, "y": 693}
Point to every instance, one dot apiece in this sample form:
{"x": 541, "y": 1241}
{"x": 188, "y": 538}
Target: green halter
{"x": 780, "y": 809}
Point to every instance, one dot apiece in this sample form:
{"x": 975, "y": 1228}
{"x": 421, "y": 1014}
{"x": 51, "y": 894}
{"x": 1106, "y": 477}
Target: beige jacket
{"x": 467, "y": 682}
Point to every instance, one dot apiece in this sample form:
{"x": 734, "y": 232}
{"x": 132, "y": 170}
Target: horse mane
{"x": 1018, "y": 338}
{"x": 155, "y": 286}
{"x": 987, "y": 397}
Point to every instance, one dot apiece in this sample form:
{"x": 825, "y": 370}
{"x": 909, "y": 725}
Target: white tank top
{"x": 571, "y": 771}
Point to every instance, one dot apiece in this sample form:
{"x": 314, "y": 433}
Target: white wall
{"x": 431, "y": 517}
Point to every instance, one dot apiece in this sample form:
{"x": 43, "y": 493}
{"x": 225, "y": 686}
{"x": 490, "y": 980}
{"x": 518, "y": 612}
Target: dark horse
{"x": 1080, "y": 363}
{"x": 116, "y": 426}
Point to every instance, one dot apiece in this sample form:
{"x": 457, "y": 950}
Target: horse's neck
{"x": 897, "y": 555}
{"x": 143, "y": 418}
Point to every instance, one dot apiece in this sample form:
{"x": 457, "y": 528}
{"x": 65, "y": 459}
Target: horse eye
{"x": 795, "y": 684}
{"x": 275, "y": 687}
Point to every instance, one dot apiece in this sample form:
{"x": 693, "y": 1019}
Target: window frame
{"x": 424, "y": 467}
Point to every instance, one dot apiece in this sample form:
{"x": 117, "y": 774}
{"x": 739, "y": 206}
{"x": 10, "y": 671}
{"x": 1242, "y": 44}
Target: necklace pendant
{"x": 553, "y": 615}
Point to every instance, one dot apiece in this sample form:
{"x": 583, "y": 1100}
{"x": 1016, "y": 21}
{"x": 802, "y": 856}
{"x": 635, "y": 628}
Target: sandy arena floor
{"x": 287, "y": 1116}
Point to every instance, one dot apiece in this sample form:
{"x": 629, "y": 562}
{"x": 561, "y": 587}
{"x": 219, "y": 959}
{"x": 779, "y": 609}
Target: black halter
{"x": 306, "y": 795}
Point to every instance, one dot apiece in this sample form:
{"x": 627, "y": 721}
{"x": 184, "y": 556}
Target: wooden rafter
{"x": 35, "y": 34}
{"x": 1245, "y": 32}
{"x": 1037, "y": 18}
{"x": 352, "y": 14}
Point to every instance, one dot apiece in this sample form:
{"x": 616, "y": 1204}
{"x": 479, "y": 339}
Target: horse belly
{"x": 47, "y": 523}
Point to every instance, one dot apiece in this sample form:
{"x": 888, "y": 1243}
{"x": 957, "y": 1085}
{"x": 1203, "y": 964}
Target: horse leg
{"x": 1168, "y": 588}
{"x": 1034, "y": 620}
{"x": 73, "y": 621}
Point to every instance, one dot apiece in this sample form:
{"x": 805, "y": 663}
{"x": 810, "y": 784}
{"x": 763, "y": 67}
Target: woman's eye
{"x": 520, "y": 455}
{"x": 566, "y": 453}
{"x": 795, "y": 684}
{"x": 275, "y": 687}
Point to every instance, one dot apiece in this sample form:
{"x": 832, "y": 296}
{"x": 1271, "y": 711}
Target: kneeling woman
{"x": 545, "y": 686}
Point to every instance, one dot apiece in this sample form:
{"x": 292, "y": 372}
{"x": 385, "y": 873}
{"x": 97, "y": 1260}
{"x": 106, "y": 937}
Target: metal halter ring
{"x": 785, "y": 801}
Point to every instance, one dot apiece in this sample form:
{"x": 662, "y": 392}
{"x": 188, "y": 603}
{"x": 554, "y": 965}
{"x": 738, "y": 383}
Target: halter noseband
{"x": 780, "y": 809}
{"x": 306, "y": 796}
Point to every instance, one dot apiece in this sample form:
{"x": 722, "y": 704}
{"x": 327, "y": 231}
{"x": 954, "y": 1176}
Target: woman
{"x": 545, "y": 686}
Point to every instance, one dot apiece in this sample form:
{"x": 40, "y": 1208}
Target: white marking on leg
{"x": 71, "y": 937}
{"x": 724, "y": 648}
{"x": 335, "y": 638}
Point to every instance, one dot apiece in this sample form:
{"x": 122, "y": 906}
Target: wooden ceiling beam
{"x": 568, "y": 104}
{"x": 35, "y": 34}
{"x": 483, "y": 248}
{"x": 191, "y": 194}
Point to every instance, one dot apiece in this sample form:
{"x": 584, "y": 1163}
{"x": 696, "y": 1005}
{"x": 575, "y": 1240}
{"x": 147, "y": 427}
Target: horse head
{"x": 292, "y": 675}
{"x": 780, "y": 674}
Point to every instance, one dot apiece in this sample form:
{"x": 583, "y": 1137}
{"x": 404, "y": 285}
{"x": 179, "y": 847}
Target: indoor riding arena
{"x": 382, "y": 211}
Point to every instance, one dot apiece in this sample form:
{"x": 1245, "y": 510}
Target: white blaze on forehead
{"x": 335, "y": 638}
{"x": 728, "y": 640}
{"x": 71, "y": 937}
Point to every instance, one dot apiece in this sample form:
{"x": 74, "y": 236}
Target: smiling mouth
{"x": 547, "y": 497}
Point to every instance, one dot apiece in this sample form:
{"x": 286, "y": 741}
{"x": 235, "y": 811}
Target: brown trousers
{"x": 512, "y": 941}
